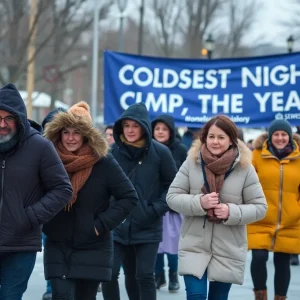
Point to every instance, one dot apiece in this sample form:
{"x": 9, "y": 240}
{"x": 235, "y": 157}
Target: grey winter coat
{"x": 218, "y": 248}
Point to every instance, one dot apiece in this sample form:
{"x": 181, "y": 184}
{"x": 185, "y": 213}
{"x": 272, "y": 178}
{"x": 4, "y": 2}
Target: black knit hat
{"x": 282, "y": 125}
{"x": 51, "y": 114}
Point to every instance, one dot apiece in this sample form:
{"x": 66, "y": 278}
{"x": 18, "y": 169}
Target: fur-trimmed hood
{"x": 259, "y": 141}
{"x": 66, "y": 119}
{"x": 244, "y": 159}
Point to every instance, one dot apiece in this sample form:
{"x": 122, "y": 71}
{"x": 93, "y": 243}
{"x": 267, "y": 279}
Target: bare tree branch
{"x": 290, "y": 18}
{"x": 241, "y": 17}
{"x": 168, "y": 14}
{"x": 59, "y": 25}
{"x": 200, "y": 15}
{"x": 181, "y": 27}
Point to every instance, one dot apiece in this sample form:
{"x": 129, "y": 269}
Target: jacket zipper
{"x": 2, "y": 187}
{"x": 129, "y": 230}
{"x": 130, "y": 216}
{"x": 280, "y": 208}
{"x": 68, "y": 258}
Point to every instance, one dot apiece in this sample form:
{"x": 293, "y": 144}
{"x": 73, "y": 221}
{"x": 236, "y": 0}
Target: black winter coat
{"x": 179, "y": 151}
{"x": 34, "y": 183}
{"x": 151, "y": 173}
{"x": 73, "y": 250}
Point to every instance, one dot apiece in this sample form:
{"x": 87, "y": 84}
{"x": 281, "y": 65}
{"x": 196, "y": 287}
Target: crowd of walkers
{"x": 135, "y": 196}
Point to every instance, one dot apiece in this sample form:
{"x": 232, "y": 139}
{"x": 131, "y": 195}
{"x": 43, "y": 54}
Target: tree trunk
{"x": 54, "y": 94}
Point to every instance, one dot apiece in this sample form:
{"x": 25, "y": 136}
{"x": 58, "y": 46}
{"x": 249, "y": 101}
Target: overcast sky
{"x": 269, "y": 26}
{"x": 270, "y": 21}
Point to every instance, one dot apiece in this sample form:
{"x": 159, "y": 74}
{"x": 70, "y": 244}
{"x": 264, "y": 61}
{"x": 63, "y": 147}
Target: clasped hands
{"x": 211, "y": 203}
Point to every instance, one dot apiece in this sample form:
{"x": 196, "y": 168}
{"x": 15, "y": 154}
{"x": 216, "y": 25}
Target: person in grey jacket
{"x": 34, "y": 188}
{"x": 218, "y": 192}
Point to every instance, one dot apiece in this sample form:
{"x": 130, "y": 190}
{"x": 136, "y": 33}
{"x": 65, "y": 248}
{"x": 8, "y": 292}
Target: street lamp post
{"x": 122, "y": 4}
{"x": 95, "y": 60}
{"x": 210, "y": 46}
{"x": 290, "y": 43}
{"x": 141, "y": 27}
{"x": 121, "y": 32}
{"x": 31, "y": 57}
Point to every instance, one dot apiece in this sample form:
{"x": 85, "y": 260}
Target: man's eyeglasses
{"x": 8, "y": 119}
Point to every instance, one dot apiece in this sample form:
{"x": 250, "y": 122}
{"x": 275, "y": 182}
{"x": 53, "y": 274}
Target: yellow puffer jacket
{"x": 279, "y": 231}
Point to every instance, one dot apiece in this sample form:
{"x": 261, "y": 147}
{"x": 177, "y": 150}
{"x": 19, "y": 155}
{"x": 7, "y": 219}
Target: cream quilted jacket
{"x": 218, "y": 248}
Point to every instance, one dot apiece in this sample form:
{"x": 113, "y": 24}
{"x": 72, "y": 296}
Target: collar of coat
{"x": 244, "y": 158}
{"x": 65, "y": 119}
{"x": 260, "y": 143}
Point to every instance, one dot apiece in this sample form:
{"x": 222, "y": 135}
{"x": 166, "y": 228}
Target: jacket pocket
{"x": 187, "y": 222}
{"x": 152, "y": 191}
{"x": 85, "y": 236}
{"x": 17, "y": 224}
{"x": 239, "y": 234}
{"x": 23, "y": 225}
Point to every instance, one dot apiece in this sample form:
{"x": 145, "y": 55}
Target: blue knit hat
{"x": 282, "y": 125}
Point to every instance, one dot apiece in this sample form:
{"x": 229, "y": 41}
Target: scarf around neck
{"x": 138, "y": 144}
{"x": 281, "y": 153}
{"x": 214, "y": 171}
{"x": 78, "y": 165}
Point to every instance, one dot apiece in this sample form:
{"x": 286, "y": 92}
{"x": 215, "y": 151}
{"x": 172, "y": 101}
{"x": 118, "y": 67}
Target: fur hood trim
{"x": 66, "y": 119}
{"x": 245, "y": 154}
{"x": 259, "y": 141}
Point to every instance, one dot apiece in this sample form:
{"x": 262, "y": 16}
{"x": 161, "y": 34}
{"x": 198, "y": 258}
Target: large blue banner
{"x": 251, "y": 91}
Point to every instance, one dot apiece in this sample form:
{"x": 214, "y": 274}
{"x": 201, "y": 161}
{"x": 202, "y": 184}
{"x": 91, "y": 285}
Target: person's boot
{"x": 47, "y": 296}
{"x": 280, "y": 297}
{"x": 294, "y": 260}
{"x": 160, "y": 280}
{"x": 260, "y": 295}
{"x": 173, "y": 282}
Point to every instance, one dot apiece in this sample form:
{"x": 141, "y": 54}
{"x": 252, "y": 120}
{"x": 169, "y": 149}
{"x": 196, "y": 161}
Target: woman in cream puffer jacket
{"x": 216, "y": 250}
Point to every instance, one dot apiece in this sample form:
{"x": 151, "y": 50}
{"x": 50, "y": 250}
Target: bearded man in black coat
{"x": 34, "y": 188}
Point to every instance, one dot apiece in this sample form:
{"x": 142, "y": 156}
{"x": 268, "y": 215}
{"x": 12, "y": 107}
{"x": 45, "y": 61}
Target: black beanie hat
{"x": 282, "y": 125}
{"x": 51, "y": 114}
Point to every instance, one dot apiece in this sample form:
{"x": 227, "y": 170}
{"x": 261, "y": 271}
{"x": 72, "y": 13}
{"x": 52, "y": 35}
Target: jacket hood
{"x": 66, "y": 119}
{"x": 244, "y": 159}
{"x": 51, "y": 114}
{"x": 169, "y": 121}
{"x": 260, "y": 140}
{"x": 35, "y": 125}
{"x": 12, "y": 102}
{"x": 138, "y": 113}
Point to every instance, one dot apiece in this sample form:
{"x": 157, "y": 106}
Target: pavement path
{"x": 36, "y": 286}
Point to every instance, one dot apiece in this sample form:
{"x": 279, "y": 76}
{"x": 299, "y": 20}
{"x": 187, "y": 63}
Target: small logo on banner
{"x": 279, "y": 116}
